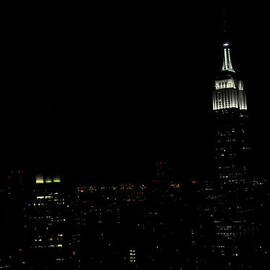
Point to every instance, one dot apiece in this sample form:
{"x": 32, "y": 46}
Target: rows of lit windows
{"x": 123, "y": 186}
{"x": 60, "y": 259}
{"x": 45, "y": 203}
{"x": 47, "y": 180}
{"x": 132, "y": 255}
{"x": 38, "y": 246}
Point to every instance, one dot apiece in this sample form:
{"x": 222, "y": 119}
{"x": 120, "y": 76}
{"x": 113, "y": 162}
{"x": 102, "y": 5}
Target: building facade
{"x": 233, "y": 202}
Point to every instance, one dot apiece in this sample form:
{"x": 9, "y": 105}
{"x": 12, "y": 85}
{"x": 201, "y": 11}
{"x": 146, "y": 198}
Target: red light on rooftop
{"x": 155, "y": 181}
{"x": 161, "y": 163}
{"x": 194, "y": 182}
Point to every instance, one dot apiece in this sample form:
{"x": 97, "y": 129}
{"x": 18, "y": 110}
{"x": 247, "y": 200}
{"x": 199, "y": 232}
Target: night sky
{"x": 107, "y": 90}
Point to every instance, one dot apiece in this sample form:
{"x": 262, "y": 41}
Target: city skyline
{"x": 136, "y": 143}
{"x": 150, "y": 92}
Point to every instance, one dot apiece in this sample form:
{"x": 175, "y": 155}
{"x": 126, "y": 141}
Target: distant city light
{"x": 194, "y": 182}
{"x": 39, "y": 180}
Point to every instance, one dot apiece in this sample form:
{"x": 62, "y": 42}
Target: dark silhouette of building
{"x": 13, "y": 193}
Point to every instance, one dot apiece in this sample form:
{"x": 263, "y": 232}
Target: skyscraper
{"x": 231, "y": 149}
{"x": 48, "y": 222}
{"x": 233, "y": 200}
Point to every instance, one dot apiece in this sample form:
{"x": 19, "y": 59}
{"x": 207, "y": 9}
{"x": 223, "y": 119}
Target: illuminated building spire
{"x": 227, "y": 62}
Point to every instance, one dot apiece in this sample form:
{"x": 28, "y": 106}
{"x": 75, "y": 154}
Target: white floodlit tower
{"x": 229, "y": 90}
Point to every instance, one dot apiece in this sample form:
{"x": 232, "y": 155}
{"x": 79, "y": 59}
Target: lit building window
{"x": 39, "y": 179}
{"x": 132, "y": 255}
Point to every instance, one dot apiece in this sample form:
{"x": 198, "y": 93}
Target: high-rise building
{"x": 230, "y": 109}
{"x": 48, "y": 224}
{"x": 233, "y": 203}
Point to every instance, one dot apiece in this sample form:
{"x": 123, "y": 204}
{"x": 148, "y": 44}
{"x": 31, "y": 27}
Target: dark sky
{"x": 107, "y": 90}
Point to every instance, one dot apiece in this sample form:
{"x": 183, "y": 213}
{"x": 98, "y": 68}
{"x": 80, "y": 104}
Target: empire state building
{"x": 232, "y": 201}
{"x": 231, "y": 149}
